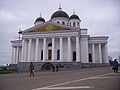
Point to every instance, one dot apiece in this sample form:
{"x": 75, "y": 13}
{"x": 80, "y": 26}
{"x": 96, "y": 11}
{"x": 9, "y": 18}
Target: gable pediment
{"x": 49, "y": 27}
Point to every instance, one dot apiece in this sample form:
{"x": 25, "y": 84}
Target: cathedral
{"x": 60, "y": 41}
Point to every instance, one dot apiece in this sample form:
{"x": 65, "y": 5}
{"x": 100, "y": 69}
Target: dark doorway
{"x": 58, "y": 54}
{"x": 90, "y": 57}
{"x": 49, "y": 54}
{"x": 74, "y": 56}
{"x": 42, "y": 55}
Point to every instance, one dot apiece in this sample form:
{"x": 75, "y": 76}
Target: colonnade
{"x": 16, "y": 54}
{"x": 102, "y": 53}
{"x": 27, "y": 51}
{"x": 31, "y": 53}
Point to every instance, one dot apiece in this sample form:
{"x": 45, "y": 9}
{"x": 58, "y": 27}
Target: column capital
{"x": 69, "y": 36}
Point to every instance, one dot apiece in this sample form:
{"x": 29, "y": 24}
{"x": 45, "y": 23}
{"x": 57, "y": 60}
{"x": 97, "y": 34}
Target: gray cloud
{"x": 101, "y": 17}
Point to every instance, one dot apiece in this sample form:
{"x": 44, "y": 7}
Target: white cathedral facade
{"x": 61, "y": 39}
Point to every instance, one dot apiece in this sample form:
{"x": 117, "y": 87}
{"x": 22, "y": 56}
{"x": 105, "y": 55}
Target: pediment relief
{"x": 49, "y": 27}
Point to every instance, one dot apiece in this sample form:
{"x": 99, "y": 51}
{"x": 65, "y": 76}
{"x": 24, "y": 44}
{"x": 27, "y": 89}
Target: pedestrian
{"x": 17, "y": 69}
{"x": 57, "y": 70}
{"x": 53, "y": 68}
{"x": 115, "y": 65}
{"x": 31, "y": 69}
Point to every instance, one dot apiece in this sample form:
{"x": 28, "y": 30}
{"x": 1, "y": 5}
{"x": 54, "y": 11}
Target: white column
{"x": 17, "y": 52}
{"x": 77, "y": 49}
{"x": 61, "y": 48}
{"x": 100, "y": 53}
{"x": 29, "y": 50}
{"x": 53, "y": 48}
{"x": 36, "y": 50}
{"x": 69, "y": 49}
{"x": 106, "y": 54}
{"x": 26, "y": 51}
{"x": 44, "y": 49}
{"x": 93, "y": 53}
{"x": 12, "y": 61}
{"x": 23, "y": 50}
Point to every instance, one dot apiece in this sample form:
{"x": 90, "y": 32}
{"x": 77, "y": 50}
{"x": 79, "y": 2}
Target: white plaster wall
{"x": 84, "y": 50}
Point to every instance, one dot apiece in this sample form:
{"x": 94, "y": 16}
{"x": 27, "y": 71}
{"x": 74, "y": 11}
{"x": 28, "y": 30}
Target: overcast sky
{"x": 100, "y": 17}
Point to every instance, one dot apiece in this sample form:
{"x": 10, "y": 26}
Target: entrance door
{"x": 49, "y": 54}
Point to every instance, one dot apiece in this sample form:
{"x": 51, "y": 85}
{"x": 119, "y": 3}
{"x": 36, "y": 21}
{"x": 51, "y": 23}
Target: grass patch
{"x": 7, "y": 72}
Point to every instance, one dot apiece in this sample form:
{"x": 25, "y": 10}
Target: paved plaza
{"x": 97, "y": 78}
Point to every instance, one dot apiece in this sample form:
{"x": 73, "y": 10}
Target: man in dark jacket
{"x": 31, "y": 69}
{"x": 115, "y": 65}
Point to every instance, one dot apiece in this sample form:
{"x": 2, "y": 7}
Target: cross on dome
{"x": 60, "y": 8}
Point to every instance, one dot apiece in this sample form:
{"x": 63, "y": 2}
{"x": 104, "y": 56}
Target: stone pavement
{"x": 97, "y": 78}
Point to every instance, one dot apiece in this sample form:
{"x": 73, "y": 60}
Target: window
{"x": 58, "y": 54}
{"x": 74, "y": 24}
{"x": 70, "y": 23}
{"x": 78, "y": 24}
{"x": 42, "y": 55}
{"x": 90, "y": 57}
{"x": 63, "y": 23}
{"x": 58, "y": 22}
{"x": 74, "y": 56}
{"x": 50, "y": 45}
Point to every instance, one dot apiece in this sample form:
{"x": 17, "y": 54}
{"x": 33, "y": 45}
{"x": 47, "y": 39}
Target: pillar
{"x": 17, "y": 53}
{"x": 26, "y": 51}
{"x": 105, "y": 51}
{"x": 77, "y": 49}
{"x": 36, "y": 50}
{"x": 61, "y": 48}
{"x": 44, "y": 49}
{"x": 23, "y": 50}
{"x": 29, "y": 50}
{"x": 100, "y": 53}
{"x": 53, "y": 48}
{"x": 12, "y": 61}
{"x": 69, "y": 49}
{"x": 93, "y": 53}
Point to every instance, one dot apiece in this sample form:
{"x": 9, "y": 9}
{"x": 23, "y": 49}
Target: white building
{"x": 61, "y": 39}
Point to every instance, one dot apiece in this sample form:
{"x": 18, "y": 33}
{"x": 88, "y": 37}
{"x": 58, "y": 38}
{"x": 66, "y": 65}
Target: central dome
{"x": 59, "y": 14}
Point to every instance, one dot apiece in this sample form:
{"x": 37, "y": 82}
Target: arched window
{"x": 78, "y": 24}
{"x": 42, "y": 55}
{"x": 58, "y": 54}
{"x": 74, "y": 24}
{"x": 58, "y": 22}
{"x": 50, "y": 45}
{"x": 74, "y": 56}
{"x": 90, "y": 57}
{"x": 70, "y": 23}
{"x": 63, "y": 23}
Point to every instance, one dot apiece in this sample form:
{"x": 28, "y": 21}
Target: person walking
{"x": 17, "y": 69}
{"x": 57, "y": 68}
{"x": 53, "y": 68}
{"x": 31, "y": 69}
{"x": 115, "y": 65}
